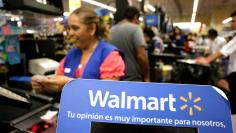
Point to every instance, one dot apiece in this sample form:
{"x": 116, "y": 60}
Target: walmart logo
{"x": 98, "y": 98}
{"x": 188, "y": 104}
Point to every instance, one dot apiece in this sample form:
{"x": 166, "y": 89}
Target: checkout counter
{"x": 189, "y": 72}
{"x": 23, "y": 111}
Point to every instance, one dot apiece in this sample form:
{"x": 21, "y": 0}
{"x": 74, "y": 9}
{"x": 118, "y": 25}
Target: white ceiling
{"x": 210, "y": 12}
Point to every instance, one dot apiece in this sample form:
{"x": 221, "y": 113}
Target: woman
{"x": 91, "y": 59}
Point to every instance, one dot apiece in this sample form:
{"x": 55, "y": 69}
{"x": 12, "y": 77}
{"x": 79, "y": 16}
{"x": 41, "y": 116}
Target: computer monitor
{"x": 33, "y": 49}
{"x": 1, "y": 4}
{"x": 152, "y": 20}
{"x": 102, "y": 127}
{"x": 37, "y": 48}
{"x": 46, "y": 48}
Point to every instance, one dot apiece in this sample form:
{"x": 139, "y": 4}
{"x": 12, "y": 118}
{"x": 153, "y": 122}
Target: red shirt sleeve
{"x": 112, "y": 66}
{"x": 60, "y": 69}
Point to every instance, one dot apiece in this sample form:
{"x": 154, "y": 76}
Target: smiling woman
{"x": 93, "y": 58}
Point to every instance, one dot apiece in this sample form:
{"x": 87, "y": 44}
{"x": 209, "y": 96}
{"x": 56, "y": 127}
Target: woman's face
{"x": 80, "y": 33}
{"x": 177, "y": 31}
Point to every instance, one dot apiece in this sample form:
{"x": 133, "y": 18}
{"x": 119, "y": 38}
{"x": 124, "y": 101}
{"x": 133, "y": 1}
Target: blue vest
{"x": 92, "y": 68}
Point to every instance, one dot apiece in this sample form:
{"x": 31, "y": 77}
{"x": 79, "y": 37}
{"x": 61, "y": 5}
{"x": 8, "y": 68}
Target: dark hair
{"x": 233, "y": 14}
{"x": 149, "y": 32}
{"x": 131, "y": 12}
{"x": 212, "y": 33}
{"x": 89, "y": 16}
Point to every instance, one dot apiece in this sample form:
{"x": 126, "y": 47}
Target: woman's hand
{"x": 202, "y": 60}
{"x": 36, "y": 83}
{"x": 55, "y": 83}
{"x": 51, "y": 84}
{"x": 223, "y": 84}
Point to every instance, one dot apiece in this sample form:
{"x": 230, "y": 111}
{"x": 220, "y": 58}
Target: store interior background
{"x": 42, "y": 21}
{"x": 209, "y": 12}
{"x": 37, "y": 28}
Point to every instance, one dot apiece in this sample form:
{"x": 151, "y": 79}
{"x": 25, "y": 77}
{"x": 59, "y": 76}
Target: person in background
{"x": 215, "y": 42}
{"x": 189, "y": 43}
{"x": 158, "y": 37}
{"x": 128, "y": 37}
{"x": 202, "y": 40}
{"x": 228, "y": 49}
{"x": 155, "y": 46}
{"x": 93, "y": 58}
{"x": 178, "y": 37}
{"x": 155, "y": 43}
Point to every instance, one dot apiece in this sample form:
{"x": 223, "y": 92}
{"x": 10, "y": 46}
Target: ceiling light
{"x": 193, "y": 17}
{"x": 140, "y": 19}
{"x": 93, "y": 2}
{"x": 227, "y": 20}
{"x": 150, "y": 7}
{"x": 55, "y": 19}
{"x": 66, "y": 14}
{"x": 111, "y": 15}
{"x": 60, "y": 19}
{"x": 195, "y": 5}
{"x": 189, "y": 26}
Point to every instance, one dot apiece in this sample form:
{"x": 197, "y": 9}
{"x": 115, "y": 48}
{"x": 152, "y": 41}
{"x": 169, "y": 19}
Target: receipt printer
{"x": 42, "y": 66}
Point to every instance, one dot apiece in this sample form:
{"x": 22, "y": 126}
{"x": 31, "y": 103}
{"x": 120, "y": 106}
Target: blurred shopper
{"x": 92, "y": 58}
{"x": 227, "y": 50}
{"x": 189, "y": 43}
{"x": 128, "y": 37}
{"x": 178, "y": 38}
{"x": 155, "y": 46}
{"x": 215, "y": 42}
{"x": 155, "y": 43}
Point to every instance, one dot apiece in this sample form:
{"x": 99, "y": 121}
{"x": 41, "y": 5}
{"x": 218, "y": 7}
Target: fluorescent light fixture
{"x": 195, "y": 5}
{"x": 195, "y": 26}
{"x": 140, "y": 19}
{"x": 93, "y": 2}
{"x": 111, "y": 15}
{"x": 42, "y": 1}
{"x": 150, "y": 7}
{"x": 55, "y": 19}
{"x": 193, "y": 17}
{"x": 30, "y": 31}
{"x": 60, "y": 19}
{"x": 66, "y": 14}
{"x": 227, "y": 20}
{"x": 17, "y": 19}
{"x": 19, "y": 23}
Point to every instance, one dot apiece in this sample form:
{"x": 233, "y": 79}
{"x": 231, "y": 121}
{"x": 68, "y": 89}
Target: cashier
{"x": 93, "y": 58}
{"x": 228, "y": 49}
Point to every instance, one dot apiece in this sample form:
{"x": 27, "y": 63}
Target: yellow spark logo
{"x": 190, "y": 98}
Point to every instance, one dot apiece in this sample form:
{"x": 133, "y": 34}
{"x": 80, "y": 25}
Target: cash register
{"x": 22, "y": 111}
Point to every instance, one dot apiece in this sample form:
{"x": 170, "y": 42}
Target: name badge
{"x": 67, "y": 70}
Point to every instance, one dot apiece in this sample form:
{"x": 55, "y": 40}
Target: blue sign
{"x": 102, "y": 12}
{"x": 89, "y": 105}
{"x": 152, "y": 20}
